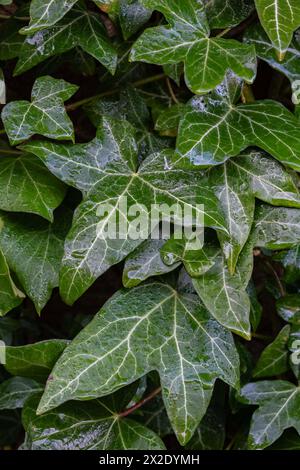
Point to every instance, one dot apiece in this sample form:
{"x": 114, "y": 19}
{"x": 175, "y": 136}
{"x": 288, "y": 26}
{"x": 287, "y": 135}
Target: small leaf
{"x": 150, "y": 327}
{"x": 10, "y": 295}
{"x": 278, "y": 410}
{"x": 288, "y": 308}
{"x": 15, "y": 391}
{"x": 186, "y": 39}
{"x": 29, "y": 187}
{"x": 280, "y": 19}
{"x": 214, "y": 128}
{"x": 41, "y": 245}
{"x": 291, "y": 263}
{"x": 45, "y": 114}
{"x": 92, "y": 425}
{"x": 34, "y": 360}
{"x": 274, "y": 358}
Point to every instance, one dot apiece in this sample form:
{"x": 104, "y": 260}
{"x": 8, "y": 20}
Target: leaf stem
{"x": 140, "y": 403}
{"x": 138, "y": 83}
{"x": 222, "y": 33}
{"x": 171, "y": 91}
{"x": 247, "y": 94}
{"x": 20, "y": 18}
{"x": 279, "y": 283}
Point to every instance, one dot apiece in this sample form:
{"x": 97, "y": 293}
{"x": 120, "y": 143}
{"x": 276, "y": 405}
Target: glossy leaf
{"x": 45, "y": 114}
{"x": 288, "y": 308}
{"x": 274, "y": 358}
{"x": 41, "y": 245}
{"x": 132, "y": 16}
{"x": 227, "y": 13}
{"x": 29, "y": 187}
{"x": 186, "y": 39}
{"x": 10, "y": 295}
{"x": 280, "y": 19}
{"x": 105, "y": 171}
{"x": 150, "y": 327}
{"x": 34, "y": 361}
{"x": 278, "y": 410}
{"x": 214, "y": 128}
{"x": 15, "y": 391}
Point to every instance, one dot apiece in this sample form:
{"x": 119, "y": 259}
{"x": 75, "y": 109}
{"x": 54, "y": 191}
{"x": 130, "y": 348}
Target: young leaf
{"x": 274, "y": 358}
{"x": 105, "y": 171}
{"x": 15, "y": 391}
{"x": 41, "y": 245}
{"x": 10, "y": 295}
{"x": 77, "y": 28}
{"x": 186, "y": 39}
{"x": 29, "y": 187}
{"x": 45, "y": 114}
{"x": 150, "y": 327}
{"x": 278, "y": 410}
{"x": 93, "y": 425}
{"x": 280, "y": 19}
{"x": 214, "y": 128}
{"x": 34, "y": 360}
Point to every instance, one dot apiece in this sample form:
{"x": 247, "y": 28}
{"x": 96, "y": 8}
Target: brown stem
{"x": 171, "y": 91}
{"x": 279, "y": 283}
{"x": 140, "y": 403}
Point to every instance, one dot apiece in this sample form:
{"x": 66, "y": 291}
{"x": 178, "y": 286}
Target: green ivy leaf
{"x": 105, "y": 171}
{"x": 41, "y": 245}
{"x": 288, "y": 308}
{"x": 186, "y": 39}
{"x": 145, "y": 262}
{"x": 77, "y": 28}
{"x": 289, "y": 65}
{"x": 10, "y": 295}
{"x": 29, "y": 187}
{"x": 45, "y": 114}
{"x": 278, "y": 410}
{"x": 291, "y": 263}
{"x": 214, "y": 128}
{"x": 132, "y": 16}
{"x": 34, "y": 361}
{"x": 15, "y": 391}
{"x": 94, "y": 425}
{"x": 227, "y": 13}
{"x": 274, "y": 358}
{"x": 150, "y": 327}
{"x": 280, "y": 19}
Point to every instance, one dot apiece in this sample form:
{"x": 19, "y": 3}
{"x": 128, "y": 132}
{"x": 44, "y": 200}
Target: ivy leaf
{"x": 15, "y": 391}
{"x": 145, "y": 262}
{"x": 214, "y": 128}
{"x": 29, "y": 186}
{"x": 186, "y": 39}
{"x": 237, "y": 183}
{"x": 278, "y": 410}
{"x": 279, "y": 19}
{"x": 105, "y": 171}
{"x": 77, "y": 28}
{"x": 41, "y": 245}
{"x": 289, "y": 65}
{"x": 34, "y": 361}
{"x": 227, "y": 13}
{"x": 288, "y": 308}
{"x": 96, "y": 423}
{"x": 274, "y": 358}
{"x": 132, "y": 16}
{"x": 290, "y": 440}
{"x": 291, "y": 263}
{"x": 45, "y": 114}
{"x": 150, "y": 327}
{"x": 10, "y": 295}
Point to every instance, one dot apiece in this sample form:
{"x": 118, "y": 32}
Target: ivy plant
{"x": 126, "y": 324}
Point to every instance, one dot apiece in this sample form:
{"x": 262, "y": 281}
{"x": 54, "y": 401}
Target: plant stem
{"x": 4, "y": 17}
{"x": 138, "y": 83}
{"x": 222, "y": 33}
{"x": 279, "y": 283}
{"x": 20, "y": 18}
{"x": 247, "y": 94}
{"x": 140, "y": 403}
{"x": 171, "y": 91}
{"x": 262, "y": 337}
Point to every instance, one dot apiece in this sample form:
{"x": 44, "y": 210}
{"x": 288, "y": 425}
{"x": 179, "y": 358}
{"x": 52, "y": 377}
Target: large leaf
{"x": 186, "y": 39}
{"x": 10, "y": 295}
{"x": 105, "y": 171}
{"x": 274, "y": 358}
{"x": 77, "y": 28}
{"x": 45, "y": 114}
{"x": 279, "y": 403}
{"x": 280, "y": 18}
{"x": 150, "y": 327}
{"x": 15, "y": 391}
{"x": 94, "y": 425}
{"x": 29, "y": 187}
{"x": 34, "y": 361}
{"x": 34, "y": 249}
{"x": 214, "y": 128}
{"x": 289, "y": 65}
